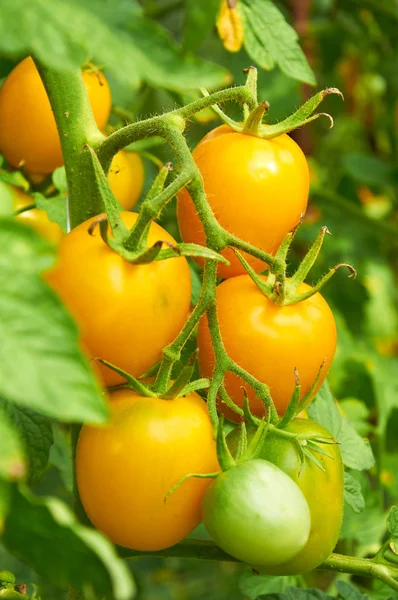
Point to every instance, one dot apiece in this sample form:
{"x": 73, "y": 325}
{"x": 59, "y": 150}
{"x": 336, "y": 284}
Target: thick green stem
{"x": 77, "y": 128}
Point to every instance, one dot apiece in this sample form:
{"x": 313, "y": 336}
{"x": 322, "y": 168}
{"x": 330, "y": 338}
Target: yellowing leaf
{"x": 229, "y": 26}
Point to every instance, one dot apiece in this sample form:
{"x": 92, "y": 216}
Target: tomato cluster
{"x": 269, "y": 511}
{"x": 266, "y": 507}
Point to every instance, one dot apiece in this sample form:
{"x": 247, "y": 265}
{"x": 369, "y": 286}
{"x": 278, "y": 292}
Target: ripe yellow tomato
{"x": 28, "y": 133}
{"x": 126, "y": 178}
{"x": 127, "y": 313}
{"x": 257, "y": 188}
{"x": 269, "y": 341}
{"x": 36, "y": 218}
{"x": 125, "y": 469}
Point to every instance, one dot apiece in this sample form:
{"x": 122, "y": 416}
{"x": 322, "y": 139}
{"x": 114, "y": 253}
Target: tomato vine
{"x": 79, "y": 134}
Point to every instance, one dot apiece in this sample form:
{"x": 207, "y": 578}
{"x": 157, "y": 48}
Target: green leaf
{"x": 55, "y": 208}
{"x": 324, "y": 411}
{"x": 44, "y": 532}
{"x": 269, "y": 39}
{"x": 368, "y": 527}
{"x": 252, "y": 585}
{"x": 131, "y": 47}
{"x": 61, "y": 455}
{"x": 36, "y": 433}
{"x": 349, "y": 592}
{"x": 392, "y": 522}
{"x": 12, "y": 459}
{"x": 41, "y": 365}
{"x": 367, "y": 169}
{"x": 357, "y": 413}
{"x": 353, "y": 494}
{"x": 163, "y": 64}
{"x": 254, "y": 46}
{"x": 200, "y": 17}
{"x": 356, "y": 452}
{"x": 59, "y": 179}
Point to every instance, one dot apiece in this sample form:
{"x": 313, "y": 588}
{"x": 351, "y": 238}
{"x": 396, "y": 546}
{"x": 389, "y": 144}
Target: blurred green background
{"x": 351, "y": 45}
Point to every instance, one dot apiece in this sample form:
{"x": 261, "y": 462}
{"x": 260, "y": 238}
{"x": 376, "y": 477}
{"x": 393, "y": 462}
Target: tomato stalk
{"x": 77, "y": 128}
{"x": 207, "y": 550}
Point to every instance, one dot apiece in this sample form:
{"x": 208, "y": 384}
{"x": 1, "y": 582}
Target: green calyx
{"x": 132, "y": 244}
{"x": 182, "y": 386}
{"x": 284, "y": 291}
{"x": 251, "y": 437}
{"x": 253, "y": 119}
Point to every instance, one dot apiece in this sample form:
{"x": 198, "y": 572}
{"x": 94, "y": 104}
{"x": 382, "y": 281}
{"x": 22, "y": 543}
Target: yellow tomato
{"x": 28, "y": 133}
{"x": 269, "y": 341}
{"x": 126, "y": 178}
{"x": 125, "y": 470}
{"x": 127, "y": 313}
{"x": 257, "y": 189}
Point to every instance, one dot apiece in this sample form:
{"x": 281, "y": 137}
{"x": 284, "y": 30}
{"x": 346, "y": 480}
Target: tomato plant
{"x": 257, "y": 514}
{"x": 127, "y": 313}
{"x": 269, "y": 341}
{"x": 122, "y": 348}
{"x": 127, "y": 468}
{"x": 28, "y": 132}
{"x": 257, "y": 188}
{"x": 318, "y": 484}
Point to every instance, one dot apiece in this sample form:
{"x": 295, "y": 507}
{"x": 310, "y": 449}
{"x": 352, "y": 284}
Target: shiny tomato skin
{"x": 269, "y": 341}
{"x": 126, "y": 313}
{"x": 36, "y": 219}
{"x": 257, "y": 188}
{"x": 125, "y": 469}
{"x": 254, "y": 513}
{"x": 28, "y": 133}
{"x": 323, "y": 490}
{"x": 126, "y": 178}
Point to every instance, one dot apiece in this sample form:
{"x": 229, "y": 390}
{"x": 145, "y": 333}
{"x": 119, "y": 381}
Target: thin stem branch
{"x": 152, "y": 209}
{"x": 172, "y": 352}
{"x": 207, "y": 550}
{"x": 152, "y": 126}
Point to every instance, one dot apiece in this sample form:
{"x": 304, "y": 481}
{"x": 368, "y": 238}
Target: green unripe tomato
{"x": 256, "y": 513}
{"x": 323, "y": 490}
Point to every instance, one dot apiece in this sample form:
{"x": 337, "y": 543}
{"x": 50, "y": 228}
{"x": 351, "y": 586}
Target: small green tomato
{"x": 256, "y": 513}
